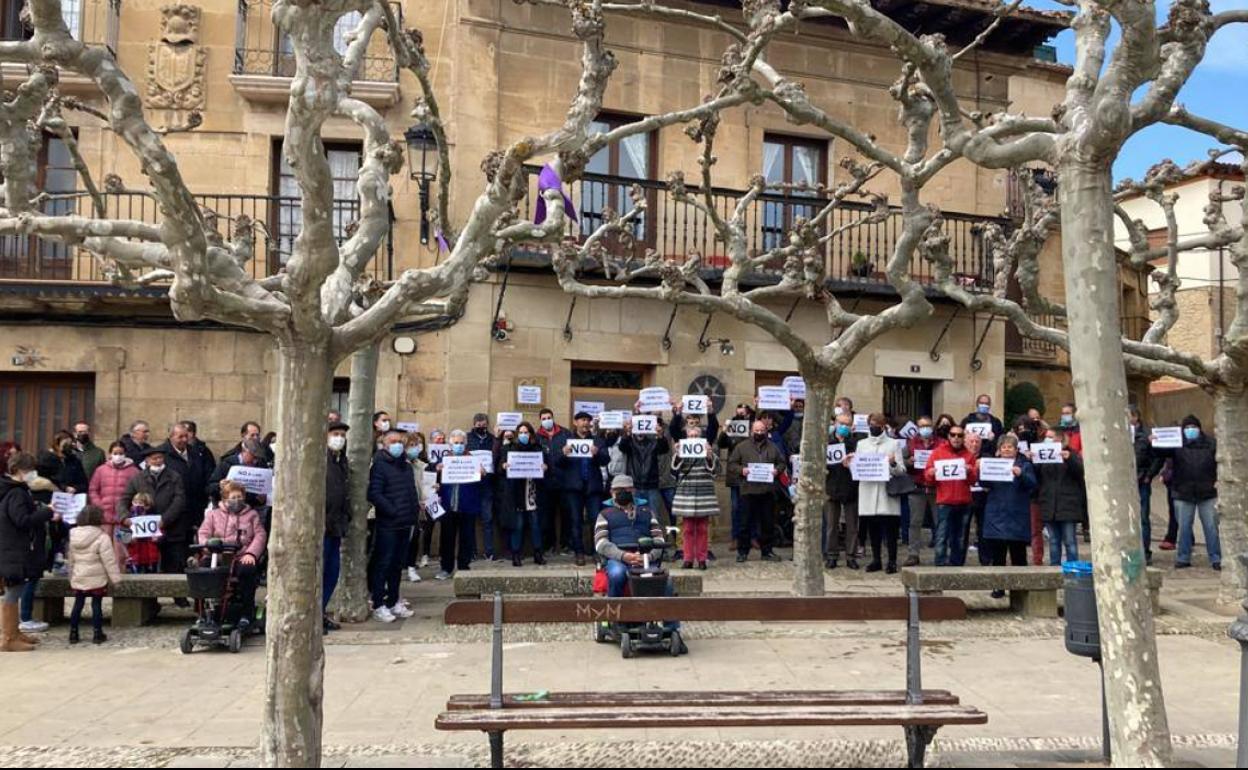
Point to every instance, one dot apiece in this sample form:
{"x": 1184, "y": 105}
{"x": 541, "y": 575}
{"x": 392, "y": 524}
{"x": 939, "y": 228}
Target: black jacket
{"x": 1061, "y": 494}
{"x": 392, "y": 491}
{"x": 63, "y": 472}
{"x": 23, "y": 527}
{"x": 568, "y": 476}
{"x": 223, "y": 472}
{"x": 134, "y": 450}
{"x": 169, "y": 502}
{"x": 989, "y": 448}
{"x": 642, "y": 455}
{"x": 195, "y": 473}
{"x": 1195, "y": 469}
{"x": 510, "y": 496}
{"x": 1147, "y": 464}
{"x": 840, "y": 484}
{"x": 337, "y": 493}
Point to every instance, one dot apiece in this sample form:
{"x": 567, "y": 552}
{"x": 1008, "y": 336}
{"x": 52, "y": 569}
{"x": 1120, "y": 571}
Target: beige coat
{"x": 92, "y": 562}
{"x": 873, "y": 498}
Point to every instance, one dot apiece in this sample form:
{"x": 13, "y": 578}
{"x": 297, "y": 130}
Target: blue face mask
{"x": 925, "y": 432}
{"x": 985, "y": 408}
{"x": 1191, "y": 433}
{"x": 395, "y": 450}
{"x": 458, "y": 449}
{"x": 842, "y": 431}
{"x": 523, "y": 438}
{"x": 1068, "y": 419}
{"x": 413, "y": 452}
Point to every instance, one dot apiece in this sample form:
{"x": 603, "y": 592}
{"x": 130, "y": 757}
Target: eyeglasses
{"x": 956, "y": 435}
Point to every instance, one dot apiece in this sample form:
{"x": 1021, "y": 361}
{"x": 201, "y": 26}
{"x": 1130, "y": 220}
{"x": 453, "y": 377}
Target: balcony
{"x": 855, "y": 261}
{"x": 277, "y": 220}
{"x": 95, "y": 22}
{"x": 264, "y": 60}
{"x": 1015, "y": 193}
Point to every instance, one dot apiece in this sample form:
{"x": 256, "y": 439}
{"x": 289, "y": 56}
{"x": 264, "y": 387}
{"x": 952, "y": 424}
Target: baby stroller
{"x": 212, "y": 586}
{"x": 647, "y": 581}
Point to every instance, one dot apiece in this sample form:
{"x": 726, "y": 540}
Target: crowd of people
{"x": 590, "y": 478}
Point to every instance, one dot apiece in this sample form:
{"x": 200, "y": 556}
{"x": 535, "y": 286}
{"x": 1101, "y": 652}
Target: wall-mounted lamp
{"x": 420, "y": 140}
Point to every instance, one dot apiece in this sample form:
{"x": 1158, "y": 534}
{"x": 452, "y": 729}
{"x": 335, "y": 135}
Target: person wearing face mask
{"x": 644, "y": 455}
{"x": 61, "y": 466}
{"x": 395, "y": 498}
{"x": 1063, "y": 499}
{"x": 743, "y": 413}
{"x": 481, "y": 440}
{"x": 459, "y": 525}
{"x": 758, "y": 498}
{"x": 250, "y": 454}
{"x": 843, "y": 406}
{"x": 234, "y": 522}
{"x": 555, "y": 516}
{"x": 337, "y": 513}
{"x": 164, "y": 486}
{"x": 135, "y": 440}
{"x": 580, "y": 479}
{"x": 618, "y": 531}
{"x": 1193, "y": 487}
{"x": 23, "y": 525}
{"x": 90, "y": 455}
{"x": 1007, "y": 516}
{"x": 953, "y": 498}
{"x": 923, "y": 498}
{"x": 880, "y": 511}
{"x": 943, "y": 424}
{"x": 107, "y": 487}
{"x": 1147, "y": 466}
{"x": 381, "y": 426}
{"x": 414, "y": 450}
{"x": 1069, "y": 423}
{"x": 842, "y": 503}
{"x": 180, "y": 457}
{"x": 520, "y": 500}
{"x": 983, "y": 414}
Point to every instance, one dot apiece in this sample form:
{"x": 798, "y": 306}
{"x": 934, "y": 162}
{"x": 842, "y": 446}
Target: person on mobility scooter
{"x": 628, "y": 540}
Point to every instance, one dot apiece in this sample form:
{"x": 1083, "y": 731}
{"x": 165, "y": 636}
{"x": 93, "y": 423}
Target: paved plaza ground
{"x": 138, "y": 701}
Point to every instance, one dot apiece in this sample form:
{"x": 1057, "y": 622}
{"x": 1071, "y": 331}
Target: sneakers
{"x": 1166, "y": 545}
{"x": 742, "y": 558}
{"x": 442, "y": 575}
{"x": 400, "y": 610}
{"x": 580, "y": 560}
{"x": 773, "y": 557}
{"x": 424, "y": 561}
{"x": 1182, "y": 565}
{"x": 32, "y": 627}
{"x": 383, "y": 615}
{"x": 998, "y": 594}
{"x": 1217, "y": 567}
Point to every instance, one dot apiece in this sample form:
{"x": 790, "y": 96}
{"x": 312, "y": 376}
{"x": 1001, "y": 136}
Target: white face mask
{"x": 119, "y": 460}
{"x": 384, "y": 425}
{"x": 336, "y": 443}
{"x": 838, "y": 410}
{"x": 155, "y": 469}
{"x": 30, "y": 476}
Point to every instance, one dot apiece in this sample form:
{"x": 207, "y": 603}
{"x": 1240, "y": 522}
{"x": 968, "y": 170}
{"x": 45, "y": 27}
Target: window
{"x": 344, "y": 167}
{"x": 616, "y": 386}
{"x": 284, "y": 62}
{"x": 907, "y": 399}
{"x": 340, "y": 395}
{"x": 790, "y": 160}
{"x": 631, "y": 158}
{"x": 11, "y": 26}
{"x": 72, "y": 11}
{"x": 23, "y": 256}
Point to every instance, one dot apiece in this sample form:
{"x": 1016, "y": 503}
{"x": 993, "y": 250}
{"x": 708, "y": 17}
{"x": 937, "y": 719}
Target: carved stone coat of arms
{"x": 175, "y": 67}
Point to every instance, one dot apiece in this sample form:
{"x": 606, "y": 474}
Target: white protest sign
{"x": 1023, "y": 446}
{"x": 695, "y": 404}
{"x": 436, "y": 452}
{"x": 257, "y": 481}
{"x": 1167, "y": 438}
{"x": 486, "y": 458}
{"x": 69, "y": 506}
{"x": 524, "y": 465}
{"x": 580, "y": 447}
{"x": 144, "y": 527}
{"x": 836, "y": 454}
{"x": 1047, "y": 453}
{"x": 693, "y": 449}
{"x": 869, "y": 467}
{"x": 460, "y": 470}
{"x": 591, "y": 408}
{"x": 408, "y": 427}
{"x": 951, "y": 470}
{"x": 760, "y": 473}
{"x": 737, "y": 429}
{"x": 655, "y": 400}
{"x": 434, "y": 509}
{"x": 529, "y": 394}
{"x": 796, "y": 387}
{"x": 921, "y": 456}
{"x": 862, "y": 423}
{"x": 429, "y": 484}
{"x": 645, "y": 424}
{"x": 612, "y": 420}
{"x": 996, "y": 469}
{"x": 509, "y": 420}
{"x": 773, "y": 398}
{"x": 909, "y": 430}
{"x": 981, "y": 429}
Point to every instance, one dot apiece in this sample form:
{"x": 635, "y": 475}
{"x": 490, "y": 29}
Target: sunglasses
{"x": 956, "y": 435}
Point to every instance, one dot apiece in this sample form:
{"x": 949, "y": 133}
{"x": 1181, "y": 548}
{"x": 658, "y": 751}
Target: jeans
{"x": 389, "y": 553}
{"x": 331, "y": 568}
{"x": 97, "y": 612}
{"x": 652, "y": 497}
{"x": 456, "y": 524}
{"x": 950, "y": 527}
{"x": 921, "y": 503}
{"x": 1146, "y": 512}
{"x": 1063, "y": 533}
{"x": 534, "y": 519}
{"x": 669, "y": 500}
{"x": 738, "y": 515}
{"x": 487, "y": 515}
{"x": 1186, "y": 512}
{"x": 904, "y": 524}
{"x": 580, "y": 507}
{"x": 27, "y": 610}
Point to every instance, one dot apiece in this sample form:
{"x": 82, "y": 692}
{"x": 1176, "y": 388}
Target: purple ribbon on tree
{"x": 442, "y": 244}
{"x": 549, "y": 180}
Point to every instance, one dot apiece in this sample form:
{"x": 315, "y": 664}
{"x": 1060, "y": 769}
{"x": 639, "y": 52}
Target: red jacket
{"x": 921, "y": 444}
{"x": 107, "y": 486}
{"x": 953, "y": 492}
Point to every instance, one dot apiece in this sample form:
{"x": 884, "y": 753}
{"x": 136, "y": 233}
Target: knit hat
{"x": 621, "y": 482}
{"x": 1192, "y": 419}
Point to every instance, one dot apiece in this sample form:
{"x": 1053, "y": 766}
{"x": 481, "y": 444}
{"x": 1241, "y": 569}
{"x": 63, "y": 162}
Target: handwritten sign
{"x": 796, "y": 387}
{"x": 773, "y": 398}
{"x": 460, "y": 470}
{"x": 951, "y": 470}
{"x": 909, "y": 430}
{"x": 1047, "y": 453}
{"x": 996, "y": 469}
{"x": 655, "y": 400}
{"x": 836, "y": 454}
{"x": 981, "y": 429}
{"x": 408, "y": 427}
{"x": 1167, "y": 438}
{"x": 869, "y": 467}
{"x": 695, "y": 404}
{"x": 69, "y": 506}
{"x": 144, "y": 527}
{"x": 612, "y": 420}
{"x": 737, "y": 429}
{"x": 693, "y": 449}
{"x": 862, "y": 423}
{"x": 524, "y": 465}
{"x": 509, "y": 420}
{"x": 436, "y": 452}
{"x": 435, "y": 509}
{"x": 921, "y": 457}
{"x": 529, "y": 394}
{"x": 486, "y": 458}
{"x": 592, "y": 408}
{"x": 581, "y": 447}
{"x": 645, "y": 425}
{"x": 760, "y": 473}
{"x": 257, "y": 481}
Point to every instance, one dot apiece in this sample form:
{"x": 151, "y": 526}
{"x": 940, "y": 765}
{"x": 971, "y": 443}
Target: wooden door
{"x": 33, "y": 406}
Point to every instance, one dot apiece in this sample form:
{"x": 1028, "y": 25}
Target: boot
{"x": 538, "y": 558}
{"x": 9, "y": 639}
{"x": 73, "y": 634}
{"x": 98, "y": 637}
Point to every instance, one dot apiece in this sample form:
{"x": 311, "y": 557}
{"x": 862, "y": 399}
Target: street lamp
{"x": 420, "y": 140}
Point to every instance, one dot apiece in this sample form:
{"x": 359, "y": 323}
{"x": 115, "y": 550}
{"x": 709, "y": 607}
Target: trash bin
{"x": 1083, "y": 636}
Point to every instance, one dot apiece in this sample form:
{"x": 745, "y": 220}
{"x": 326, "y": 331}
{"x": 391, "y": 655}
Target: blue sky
{"x": 1218, "y": 90}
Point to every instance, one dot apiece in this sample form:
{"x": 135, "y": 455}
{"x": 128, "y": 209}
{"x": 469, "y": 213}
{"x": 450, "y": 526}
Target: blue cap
{"x": 1079, "y": 568}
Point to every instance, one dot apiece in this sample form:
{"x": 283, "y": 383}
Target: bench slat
{"x": 579, "y": 719}
{"x": 771, "y": 608}
{"x": 704, "y": 699}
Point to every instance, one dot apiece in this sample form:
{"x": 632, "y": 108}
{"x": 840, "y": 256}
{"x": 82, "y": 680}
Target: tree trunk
{"x": 1140, "y": 735}
{"x": 1231, "y": 414}
{"x": 291, "y": 733}
{"x": 351, "y": 598}
{"x": 811, "y": 490}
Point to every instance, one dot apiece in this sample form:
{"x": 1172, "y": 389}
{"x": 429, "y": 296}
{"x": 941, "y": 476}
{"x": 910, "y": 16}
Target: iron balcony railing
{"x": 857, "y": 256}
{"x": 1016, "y": 191}
{"x": 262, "y": 49}
{"x": 276, "y": 221}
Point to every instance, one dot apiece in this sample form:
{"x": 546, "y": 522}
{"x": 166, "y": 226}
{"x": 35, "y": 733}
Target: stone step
{"x": 577, "y": 581}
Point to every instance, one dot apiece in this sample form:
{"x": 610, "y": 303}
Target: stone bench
{"x": 576, "y": 581}
{"x": 1033, "y": 590}
{"x": 134, "y": 598}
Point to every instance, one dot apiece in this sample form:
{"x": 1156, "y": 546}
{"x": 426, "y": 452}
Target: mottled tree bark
{"x": 811, "y": 488}
{"x": 351, "y": 598}
{"x": 1231, "y": 414}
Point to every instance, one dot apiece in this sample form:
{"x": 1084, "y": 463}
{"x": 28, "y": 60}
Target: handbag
{"x": 901, "y": 485}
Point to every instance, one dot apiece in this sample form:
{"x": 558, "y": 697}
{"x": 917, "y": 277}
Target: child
{"x": 144, "y": 554}
{"x": 92, "y": 568}
{"x": 695, "y": 501}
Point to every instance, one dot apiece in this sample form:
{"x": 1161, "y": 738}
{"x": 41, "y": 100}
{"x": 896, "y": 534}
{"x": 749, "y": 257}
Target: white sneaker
{"x": 399, "y": 611}
{"x": 383, "y": 615}
{"x": 405, "y": 604}
{"x": 442, "y": 576}
{"x": 412, "y": 575}
{"x": 32, "y": 627}
{"x": 424, "y": 561}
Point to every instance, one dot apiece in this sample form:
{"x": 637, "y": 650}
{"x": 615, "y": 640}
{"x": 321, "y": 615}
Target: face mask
{"x": 236, "y": 506}
{"x": 798, "y": 415}
{"x": 943, "y": 429}
{"x": 760, "y": 437}
{"x": 156, "y": 469}
{"x": 84, "y": 438}
{"x": 876, "y": 430}
{"x": 337, "y": 443}
{"x": 1067, "y": 419}
{"x": 548, "y": 424}
{"x": 384, "y": 425}
{"x": 480, "y": 431}
{"x": 1191, "y": 433}
{"x": 30, "y": 476}
{"x": 623, "y": 499}
{"x": 458, "y": 449}
{"x": 985, "y": 408}
{"x": 523, "y": 438}
{"x": 413, "y": 452}
{"x": 925, "y": 432}
{"x": 137, "y": 510}
{"x": 838, "y": 411}
{"x": 118, "y": 460}
{"x": 395, "y": 449}
{"x": 843, "y": 431}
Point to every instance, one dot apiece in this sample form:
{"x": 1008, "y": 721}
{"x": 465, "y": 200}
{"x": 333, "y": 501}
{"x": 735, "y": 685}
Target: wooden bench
{"x": 578, "y": 581}
{"x": 920, "y": 712}
{"x": 134, "y": 598}
{"x": 1033, "y": 590}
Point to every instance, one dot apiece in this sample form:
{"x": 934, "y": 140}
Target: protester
{"x": 199, "y": 450}
{"x": 60, "y": 465}
{"x": 1144, "y": 474}
{"x": 135, "y": 441}
{"x": 248, "y": 455}
{"x": 1195, "y": 492}
{"x": 459, "y": 524}
{"x": 1007, "y": 516}
{"x": 88, "y": 454}
{"x": 580, "y": 478}
{"x": 192, "y": 467}
{"x": 923, "y": 498}
{"x": 337, "y": 513}
{"x": 695, "y": 502}
{"x": 395, "y": 498}
{"x": 842, "y": 503}
{"x": 643, "y": 455}
{"x": 1069, "y": 423}
{"x": 983, "y": 414}
{"x": 164, "y": 486}
{"x": 480, "y": 440}
{"x": 618, "y": 531}
{"x": 234, "y": 522}
{"x": 107, "y": 487}
{"x": 143, "y": 555}
{"x": 877, "y": 509}
{"x": 414, "y": 451}
{"x": 726, "y": 442}
{"x": 758, "y": 498}
{"x": 23, "y": 524}
{"x": 381, "y": 426}
{"x": 333, "y": 416}
{"x": 979, "y": 501}
{"x": 555, "y": 520}
{"x": 953, "y": 497}
{"x": 1062, "y": 499}
{"x": 520, "y": 500}
{"x": 92, "y": 569}
{"x": 944, "y": 424}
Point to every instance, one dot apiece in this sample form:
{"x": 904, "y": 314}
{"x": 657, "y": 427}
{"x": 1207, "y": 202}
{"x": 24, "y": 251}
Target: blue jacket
{"x": 392, "y": 491}
{"x": 579, "y": 475}
{"x": 462, "y": 498}
{"x": 1008, "y": 513}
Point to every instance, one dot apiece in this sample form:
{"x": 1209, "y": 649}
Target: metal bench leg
{"x": 917, "y": 739}
{"x": 496, "y": 749}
